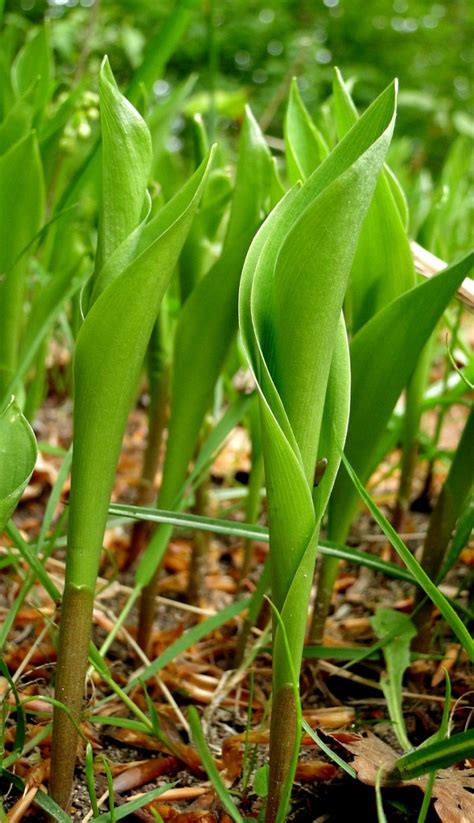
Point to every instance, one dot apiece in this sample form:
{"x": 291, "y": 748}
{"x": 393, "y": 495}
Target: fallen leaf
{"x": 452, "y": 789}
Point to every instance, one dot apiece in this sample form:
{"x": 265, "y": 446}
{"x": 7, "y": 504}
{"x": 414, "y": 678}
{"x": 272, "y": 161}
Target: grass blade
{"x": 438, "y": 755}
{"x": 210, "y": 766}
{"x": 413, "y": 566}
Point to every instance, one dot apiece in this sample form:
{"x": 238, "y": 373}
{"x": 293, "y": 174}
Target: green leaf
{"x": 45, "y": 309}
{"x": 439, "y": 755}
{"x": 118, "y": 722}
{"x": 132, "y": 805}
{"x": 161, "y": 46}
{"x": 260, "y": 781}
{"x": 384, "y": 354}
{"x": 327, "y": 751}
{"x": 47, "y": 804}
{"x": 210, "y": 766}
{"x": 20, "y": 727}
{"x": 290, "y": 265}
{"x": 460, "y": 539}
{"x": 398, "y": 630}
{"x": 106, "y": 386}
{"x": 16, "y": 124}
{"x": 18, "y": 453}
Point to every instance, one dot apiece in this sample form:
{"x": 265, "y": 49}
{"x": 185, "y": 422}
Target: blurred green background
{"x": 255, "y": 45}
{"x": 247, "y": 51}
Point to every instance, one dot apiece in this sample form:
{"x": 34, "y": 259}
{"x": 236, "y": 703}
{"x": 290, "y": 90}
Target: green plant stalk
{"x": 252, "y": 616}
{"x": 37, "y": 387}
{"x": 257, "y": 476}
{"x": 443, "y": 408}
{"x": 200, "y": 548}
{"x": 284, "y": 731}
{"x": 411, "y": 423}
{"x": 159, "y": 371}
{"x": 452, "y": 499}
{"x": 326, "y": 579}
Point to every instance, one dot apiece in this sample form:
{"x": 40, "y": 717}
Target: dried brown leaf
{"x": 452, "y": 790}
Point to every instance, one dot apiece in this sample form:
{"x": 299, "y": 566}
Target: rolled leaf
{"x": 18, "y": 453}
{"x": 107, "y": 365}
{"x": 112, "y": 342}
{"x": 126, "y": 146}
{"x": 293, "y": 286}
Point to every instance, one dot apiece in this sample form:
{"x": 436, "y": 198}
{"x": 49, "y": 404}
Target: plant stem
{"x": 411, "y": 423}
{"x": 329, "y": 567}
{"x": 284, "y": 737}
{"x": 452, "y": 499}
{"x": 37, "y": 388}
{"x": 252, "y": 510}
{"x": 147, "y": 601}
{"x": 158, "y": 413}
{"x": 253, "y": 613}
{"x": 200, "y": 550}
{"x": 74, "y": 637}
